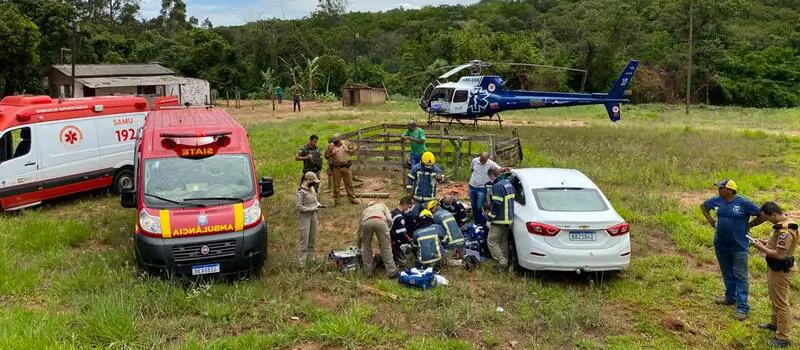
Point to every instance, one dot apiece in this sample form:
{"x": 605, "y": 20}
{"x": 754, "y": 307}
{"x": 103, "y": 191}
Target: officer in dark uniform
{"x": 455, "y": 207}
{"x": 401, "y": 230}
{"x": 779, "y": 250}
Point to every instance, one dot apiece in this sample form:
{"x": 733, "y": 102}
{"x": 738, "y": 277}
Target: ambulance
{"x": 196, "y": 195}
{"x": 51, "y": 148}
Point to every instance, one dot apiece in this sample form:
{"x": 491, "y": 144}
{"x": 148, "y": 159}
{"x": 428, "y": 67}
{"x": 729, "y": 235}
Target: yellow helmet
{"x": 425, "y": 213}
{"x": 428, "y": 158}
{"x": 431, "y": 204}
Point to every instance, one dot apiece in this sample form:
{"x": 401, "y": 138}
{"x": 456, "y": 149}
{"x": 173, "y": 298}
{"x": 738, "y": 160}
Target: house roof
{"x": 107, "y": 82}
{"x": 113, "y": 70}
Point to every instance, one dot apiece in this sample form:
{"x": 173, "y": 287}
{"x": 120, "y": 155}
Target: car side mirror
{"x": 127, "y": 198}
{"x": 266, "y": 187}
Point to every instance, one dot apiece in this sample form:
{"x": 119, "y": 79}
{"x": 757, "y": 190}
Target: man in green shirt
{"x": 417, "y": 138}
{"x": 279, "y": 94}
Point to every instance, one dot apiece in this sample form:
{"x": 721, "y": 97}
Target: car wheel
{"x": 513, "y": 257}
{"x": 122, "y": 180}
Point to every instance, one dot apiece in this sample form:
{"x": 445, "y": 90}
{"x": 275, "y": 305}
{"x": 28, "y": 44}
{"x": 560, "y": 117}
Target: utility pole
{"x": 355, "y": 57}
{"x": 689, "y": 67}
{"x": 77, "y": 30}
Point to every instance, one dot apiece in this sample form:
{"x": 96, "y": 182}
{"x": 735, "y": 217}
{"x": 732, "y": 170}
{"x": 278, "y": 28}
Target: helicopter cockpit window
{"x": 460, "y": 96}
{"x": 439, "y": 95}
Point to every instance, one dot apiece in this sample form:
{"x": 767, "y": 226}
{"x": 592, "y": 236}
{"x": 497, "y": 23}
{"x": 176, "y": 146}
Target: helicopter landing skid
{"x": 454, "y": 120}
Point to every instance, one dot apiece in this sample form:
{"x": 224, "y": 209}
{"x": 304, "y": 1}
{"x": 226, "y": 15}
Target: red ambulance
{"x": 197, "y": 195}
{"x": 51, "y": 148}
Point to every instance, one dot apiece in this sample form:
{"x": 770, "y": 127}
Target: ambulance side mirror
{"x": 127, "y": 198}
{"x": 266, "y": 187}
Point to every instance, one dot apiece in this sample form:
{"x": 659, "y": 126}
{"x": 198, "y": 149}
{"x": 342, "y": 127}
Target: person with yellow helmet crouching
{"x": 429, "y": 238}
{"x": 423, "y": 178}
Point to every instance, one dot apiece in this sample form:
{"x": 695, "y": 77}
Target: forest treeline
{"x": 746, "y": 52}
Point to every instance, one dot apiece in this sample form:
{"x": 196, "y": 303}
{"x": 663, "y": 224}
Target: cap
{"x": 727, "y": 183}
{"x": 310, "y": 177}
{"x": 425, "y": 213}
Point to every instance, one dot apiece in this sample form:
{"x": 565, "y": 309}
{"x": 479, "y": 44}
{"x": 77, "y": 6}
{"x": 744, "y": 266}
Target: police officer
{"x": 428, "y": 238}
{"x": 311, "y": 156}
{"x": 501, "y": 215}
{"x": 779, "y": 250}
{"x": 455, "y": 207}
{"x": 423, "y": 177}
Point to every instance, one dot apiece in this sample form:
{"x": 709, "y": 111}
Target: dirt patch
{"x": 313, "y": 346}
{"x": 692, "y": 199}
{"x": 547, "y": 123}
{"x": 323, "y": 299}
{"x": 673, "y": 324}
{"x": 458, "y": 189}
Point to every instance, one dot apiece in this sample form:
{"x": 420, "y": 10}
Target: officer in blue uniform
{"x": 730, "y": 242}
{"x": 429, "y": 238}
{"x": 501, "y": 216}
{"x": 455, "y": 207}
{"x": 454, "y": 238}
{"x": 401, "y": 230}
{"x": 423, "y": 178}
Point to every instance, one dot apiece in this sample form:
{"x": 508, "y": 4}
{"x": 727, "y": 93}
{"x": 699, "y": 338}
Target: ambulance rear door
{"x": 19, "y": 164}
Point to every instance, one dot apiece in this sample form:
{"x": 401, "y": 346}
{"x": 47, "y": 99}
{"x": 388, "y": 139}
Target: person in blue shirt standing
{"x": 731, "y": 242}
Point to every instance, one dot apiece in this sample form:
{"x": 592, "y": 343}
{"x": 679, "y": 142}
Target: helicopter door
{"x": 424, "y": 102}
{"x": 459, "y": 105}
{"x": 440, "y": 100}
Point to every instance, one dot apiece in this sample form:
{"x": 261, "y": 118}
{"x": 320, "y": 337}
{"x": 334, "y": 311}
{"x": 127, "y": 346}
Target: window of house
{"x": 146, "y": 90}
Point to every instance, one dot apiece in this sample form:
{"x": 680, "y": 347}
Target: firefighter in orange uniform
{"x": 779, "y": 250}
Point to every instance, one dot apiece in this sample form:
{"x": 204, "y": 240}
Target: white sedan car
{"x": 563, "y": 222}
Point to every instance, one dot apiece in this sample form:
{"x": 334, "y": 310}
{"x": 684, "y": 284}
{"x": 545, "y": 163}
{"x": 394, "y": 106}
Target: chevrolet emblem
{"x": 583, "y": 226}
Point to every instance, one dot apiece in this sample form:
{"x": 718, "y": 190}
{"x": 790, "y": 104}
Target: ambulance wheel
{"x": 122, "y": 180}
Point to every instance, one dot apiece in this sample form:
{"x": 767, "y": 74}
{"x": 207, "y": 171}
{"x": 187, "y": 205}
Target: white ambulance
{"x": 51, "y": 148}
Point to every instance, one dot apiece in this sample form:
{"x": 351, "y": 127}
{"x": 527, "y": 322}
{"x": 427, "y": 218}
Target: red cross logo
{"x": 71, "y": 137}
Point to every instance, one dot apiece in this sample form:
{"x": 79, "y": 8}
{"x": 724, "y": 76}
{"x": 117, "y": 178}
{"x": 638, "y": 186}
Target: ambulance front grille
{"x": 194, "y": 252}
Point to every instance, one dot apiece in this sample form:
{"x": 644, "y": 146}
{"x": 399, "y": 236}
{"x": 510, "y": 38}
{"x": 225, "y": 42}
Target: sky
{"x": 233, "y": 12}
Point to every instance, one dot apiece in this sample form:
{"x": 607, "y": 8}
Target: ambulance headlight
{"x": 149, "y": 223}
{"x": 252, "y": 214}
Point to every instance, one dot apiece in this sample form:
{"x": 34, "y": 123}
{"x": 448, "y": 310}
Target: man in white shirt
{"x": 477, "y": 184}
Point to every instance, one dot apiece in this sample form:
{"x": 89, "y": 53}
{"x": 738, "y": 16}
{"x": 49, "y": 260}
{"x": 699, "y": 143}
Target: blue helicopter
{"x": 482, "y": 97}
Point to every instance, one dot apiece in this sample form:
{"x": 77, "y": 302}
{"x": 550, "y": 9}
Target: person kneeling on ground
{"x": 779, "y": 250}
{"x": 400, "y": 232}
{"x": 375, "y": 221}
{"x": 455, "y": 207}
{"x": 429, "y": 238}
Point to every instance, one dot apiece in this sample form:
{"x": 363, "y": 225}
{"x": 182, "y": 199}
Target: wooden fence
{"x": 381, "y": 149}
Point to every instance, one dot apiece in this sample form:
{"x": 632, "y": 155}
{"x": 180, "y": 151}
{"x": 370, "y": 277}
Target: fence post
{"x": 457, "y": 158}
{"x": 386, "y": 143}
{"x": 492, "y": 150}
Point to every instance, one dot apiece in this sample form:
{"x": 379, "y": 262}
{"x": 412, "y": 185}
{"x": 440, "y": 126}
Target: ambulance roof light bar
{"x": 199, "y": 134}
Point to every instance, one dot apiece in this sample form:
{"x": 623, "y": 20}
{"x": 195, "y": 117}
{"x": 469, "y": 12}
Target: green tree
{"x": 19, "y": 41}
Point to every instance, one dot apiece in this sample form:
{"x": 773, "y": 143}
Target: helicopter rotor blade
{"x": 428, "y": 71}
{"x": 541, "y": 66}
{"x": 455, "y": 70}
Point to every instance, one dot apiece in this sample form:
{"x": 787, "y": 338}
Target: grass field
{"x": 67, "y": 279}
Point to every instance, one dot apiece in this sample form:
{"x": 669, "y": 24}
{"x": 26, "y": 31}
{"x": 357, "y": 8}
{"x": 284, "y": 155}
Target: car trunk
{"x": 581, "y": 230}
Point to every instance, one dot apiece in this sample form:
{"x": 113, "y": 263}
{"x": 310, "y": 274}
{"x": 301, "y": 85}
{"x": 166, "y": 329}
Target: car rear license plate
{"x": 205, "y": 269}
{"x": 582, "y": 236}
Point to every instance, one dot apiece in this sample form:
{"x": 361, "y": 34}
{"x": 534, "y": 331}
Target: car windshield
{"x": 569, "y": 199}
{"x": 172, "y": 182}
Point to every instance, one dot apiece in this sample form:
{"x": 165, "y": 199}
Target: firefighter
{"x": 400, "y": 232}
{"x": 779, "y": 250}
{"x": 423, "y": 177}
{"x": 455, "y": 207}
{"x": 454, "y": 239}
{"x": 501, "y": 216}
{"x": 429, "y": 237}
{"x": 375, "y": 222}
{"x": 306, "y": 204}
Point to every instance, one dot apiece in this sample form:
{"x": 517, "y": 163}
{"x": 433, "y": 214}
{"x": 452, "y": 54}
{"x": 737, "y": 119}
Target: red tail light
{"x": 541, "y": 229}
{"x": 618, "y": 229}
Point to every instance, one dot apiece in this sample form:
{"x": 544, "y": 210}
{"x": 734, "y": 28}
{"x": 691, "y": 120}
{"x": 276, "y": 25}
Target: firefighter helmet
{"x": 428, "y": 158}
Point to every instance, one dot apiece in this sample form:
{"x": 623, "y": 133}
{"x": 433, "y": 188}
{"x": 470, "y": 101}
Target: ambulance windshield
{"x": 209, "y": 180}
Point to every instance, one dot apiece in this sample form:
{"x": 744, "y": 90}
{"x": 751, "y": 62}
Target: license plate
{"x": 205, "y": 269}
{"x": 582, "y": 236}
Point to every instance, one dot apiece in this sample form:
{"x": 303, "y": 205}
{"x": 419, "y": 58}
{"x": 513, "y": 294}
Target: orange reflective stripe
{"x": 238, "y": 216}
{"x": 163, "y": 216}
